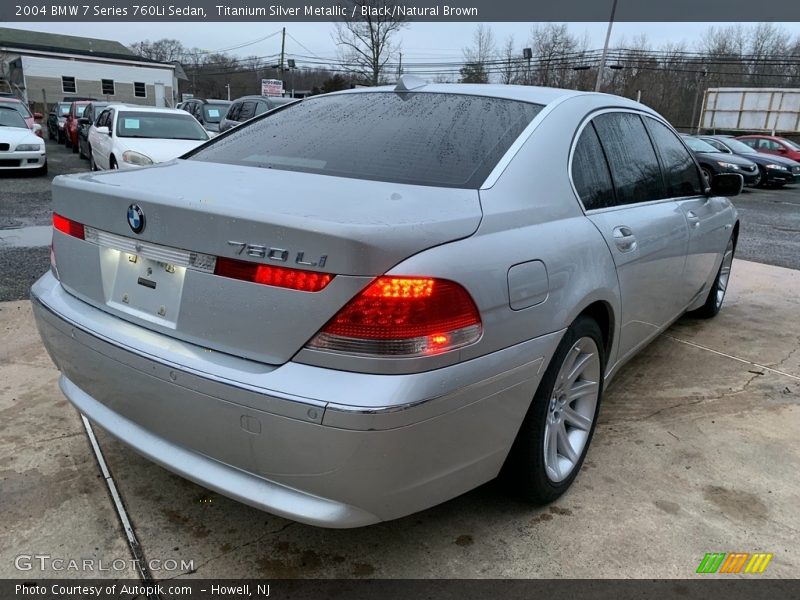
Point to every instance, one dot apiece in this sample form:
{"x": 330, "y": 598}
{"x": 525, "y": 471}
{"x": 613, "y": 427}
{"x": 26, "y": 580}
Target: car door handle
{"x": 693, "y": 219}
{"x": 624, "y": 239}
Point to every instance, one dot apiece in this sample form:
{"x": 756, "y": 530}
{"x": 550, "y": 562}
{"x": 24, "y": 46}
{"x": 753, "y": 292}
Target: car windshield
{"x": 699, "y": 145}
{"x": 155, "y": 125}
{"x": 63, "y": 110}
{"x": 447, "y": 140}
{"x": 9, "y": 117}
{"x": 213, "y": 113}
{"x": 791, "y": 144}
{"x": 739, "y": 147}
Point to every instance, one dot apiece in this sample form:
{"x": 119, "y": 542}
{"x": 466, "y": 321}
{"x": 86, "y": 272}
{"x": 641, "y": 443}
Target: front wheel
{"x": 555, "y": 435}
{"x": 717, "y": 293}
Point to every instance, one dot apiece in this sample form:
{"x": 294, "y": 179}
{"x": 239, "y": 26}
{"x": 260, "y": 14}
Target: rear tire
{"x": 716, "y": 295}
{"x": 81, "y": 154}
{"x": 555, "y": 435}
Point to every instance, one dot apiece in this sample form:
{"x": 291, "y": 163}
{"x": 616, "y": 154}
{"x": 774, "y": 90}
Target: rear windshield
{"x": 170, "y": 126}
{"x": 435, "y": 139}
{"x": 213, "y": 113}
{"x": 79, "y": 108}
{"x": 63, "y": 109}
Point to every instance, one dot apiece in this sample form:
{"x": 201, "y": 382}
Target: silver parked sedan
{"x": 366, "y": 303}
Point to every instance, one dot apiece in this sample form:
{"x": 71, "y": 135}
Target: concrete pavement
{"x": 696, "y": 451}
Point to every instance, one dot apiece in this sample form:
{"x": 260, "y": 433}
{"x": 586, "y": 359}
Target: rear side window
{"x": 633, "y": 162}
{"x": 680, "y": 172}
{"x": 590, "y": 172}
{"x": 445, "y": 140}
{"x": 233, "y": 113}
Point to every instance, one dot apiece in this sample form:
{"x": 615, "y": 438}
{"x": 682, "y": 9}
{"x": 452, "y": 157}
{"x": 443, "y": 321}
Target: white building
{"x": 44, "y": 68}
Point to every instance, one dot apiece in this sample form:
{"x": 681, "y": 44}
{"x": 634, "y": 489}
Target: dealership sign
{"x": 271, "y": 87}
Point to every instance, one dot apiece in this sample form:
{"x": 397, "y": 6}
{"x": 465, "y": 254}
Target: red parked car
{"x": 770, "y": 144}
{"x": 71, "y": 125}
{"x": 24, "y": 111}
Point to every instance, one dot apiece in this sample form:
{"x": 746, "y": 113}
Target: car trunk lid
{"x": 352, "y": 229}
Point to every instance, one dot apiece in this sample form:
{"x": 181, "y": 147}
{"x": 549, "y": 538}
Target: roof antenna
{"x": 406, "y": 83}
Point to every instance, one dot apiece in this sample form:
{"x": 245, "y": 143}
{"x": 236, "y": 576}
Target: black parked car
{"x": 208, "y": 112}
{"x": 713, "y": 162}
{"x": 56, "y": 119}
{"x": 247, "y": 107}
{"x": 775, "y": 170}
{"x": 90, "y": 114}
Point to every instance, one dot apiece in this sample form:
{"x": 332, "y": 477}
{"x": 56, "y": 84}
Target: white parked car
{"x": 20, "y": 148}
{"x": 129, "y": 137}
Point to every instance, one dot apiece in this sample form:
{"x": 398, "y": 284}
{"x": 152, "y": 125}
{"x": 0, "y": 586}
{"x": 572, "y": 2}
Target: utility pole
{"x": 283, "y": 47}
{"x": 400, "y": 67}
{"x": 602, "y": 67}
{"x": 702, "y": 73}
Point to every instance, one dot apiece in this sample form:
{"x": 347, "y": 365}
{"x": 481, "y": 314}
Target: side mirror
{"x": 727, "y": 184}
{"x": 782, "y": 150}
{"x": 103, "y": 130}
{"x": 37, "y": 115}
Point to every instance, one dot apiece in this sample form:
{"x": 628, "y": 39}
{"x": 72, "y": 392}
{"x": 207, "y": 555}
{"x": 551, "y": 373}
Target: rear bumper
{"x": 303, "y": 442}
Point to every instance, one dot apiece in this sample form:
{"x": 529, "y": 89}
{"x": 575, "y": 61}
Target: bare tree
{"x": 554, "y": 49}
{"x": 163, "y": 50}
{"x": 478, "y": 56}
{"x": 366, "y": 41}
{"x": 510, "y": 68}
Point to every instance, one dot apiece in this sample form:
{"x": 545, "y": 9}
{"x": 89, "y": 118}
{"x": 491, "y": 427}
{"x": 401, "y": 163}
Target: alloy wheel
{"x": 724, "y": 273}
{"x": 572, "y": 408}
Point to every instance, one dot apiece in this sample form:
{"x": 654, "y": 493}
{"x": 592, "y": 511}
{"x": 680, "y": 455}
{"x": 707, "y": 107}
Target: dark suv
{"x": 247, "y": 107}
{"x": 209, "y": 112}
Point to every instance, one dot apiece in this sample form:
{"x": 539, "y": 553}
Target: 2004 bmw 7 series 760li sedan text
{"x": 366, "y": 303}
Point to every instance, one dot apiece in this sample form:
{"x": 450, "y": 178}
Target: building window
{"x": 108, "y": 87}
{"x": 68, "y": 85}
{"x": 139, "y": 89}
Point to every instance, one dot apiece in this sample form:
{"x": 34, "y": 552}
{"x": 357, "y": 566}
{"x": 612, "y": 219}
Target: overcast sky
{"x": 420, "y": 41}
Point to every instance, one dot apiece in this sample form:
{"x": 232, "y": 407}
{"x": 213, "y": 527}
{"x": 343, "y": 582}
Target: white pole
{"x": 601, "y": 69}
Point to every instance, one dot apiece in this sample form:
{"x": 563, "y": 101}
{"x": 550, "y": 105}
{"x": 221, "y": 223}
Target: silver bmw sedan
{"x": 366, "y": 303}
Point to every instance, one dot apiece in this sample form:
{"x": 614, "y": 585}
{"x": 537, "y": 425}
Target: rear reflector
{"x": 293, "y": 279}
{"x": 68, "y": 226}
{"x": 399, "y": 316}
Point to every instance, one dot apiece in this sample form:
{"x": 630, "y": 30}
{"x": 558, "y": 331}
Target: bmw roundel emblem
{"x": 136, "y": 218}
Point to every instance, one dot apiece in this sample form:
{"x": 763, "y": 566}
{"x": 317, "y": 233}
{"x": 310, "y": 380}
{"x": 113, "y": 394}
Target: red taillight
{"x": 293, "y": 279}
{"x": 403, "y": 316}
{"x": 68, "y": 226}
